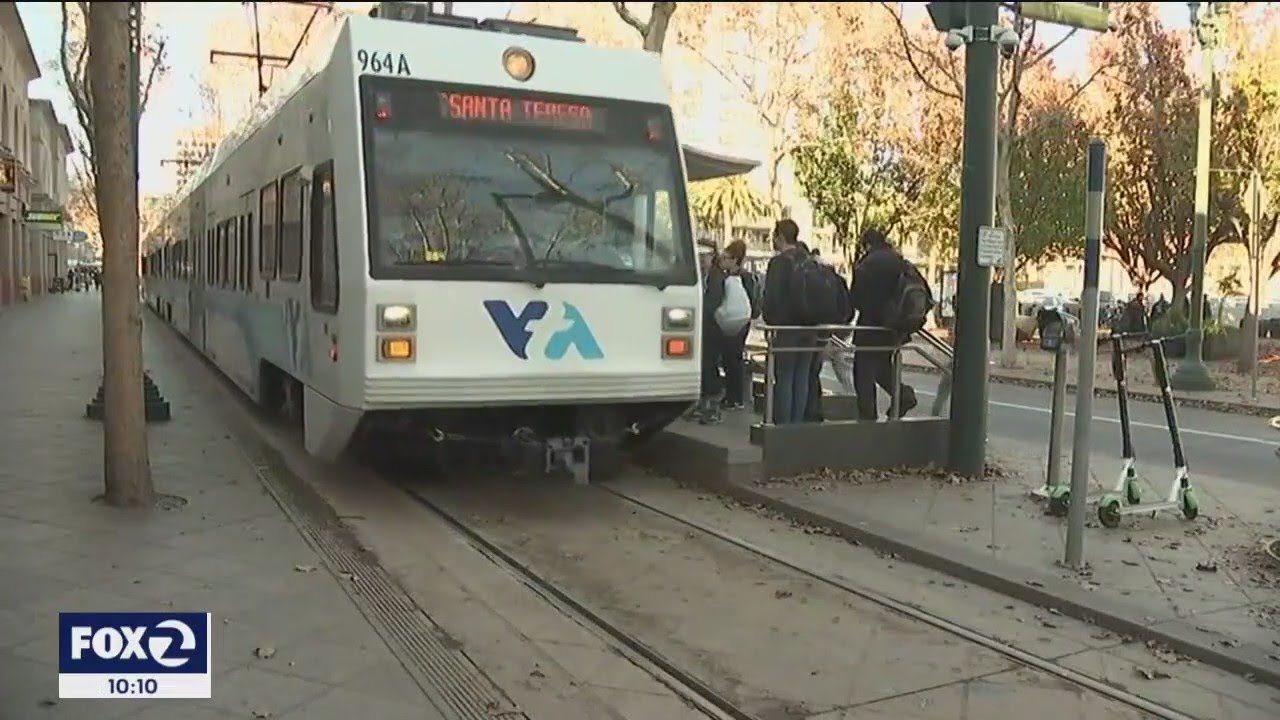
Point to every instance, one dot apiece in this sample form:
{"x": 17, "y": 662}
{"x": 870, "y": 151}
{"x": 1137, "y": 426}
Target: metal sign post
{"x": 1255, "y": 218}
{"x": 1094, "y": 204}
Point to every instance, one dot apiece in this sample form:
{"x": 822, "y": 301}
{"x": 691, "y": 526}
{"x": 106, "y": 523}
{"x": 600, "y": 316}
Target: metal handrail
{"x": 937, "y": 343}
{"x": 771, "y": 351}
{"x": 754, "y": 350}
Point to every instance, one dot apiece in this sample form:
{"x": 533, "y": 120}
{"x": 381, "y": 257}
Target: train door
{"x": 321, "y": 273}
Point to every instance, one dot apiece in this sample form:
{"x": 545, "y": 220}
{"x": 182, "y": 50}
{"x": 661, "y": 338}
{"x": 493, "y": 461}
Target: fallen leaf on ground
{"x": 265, "y": 652}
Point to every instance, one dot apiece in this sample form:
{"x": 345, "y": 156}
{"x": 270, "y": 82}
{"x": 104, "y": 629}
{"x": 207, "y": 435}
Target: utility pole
{"x": 1191, "y": 373}
{"x": 114, "y": 31}
{"x": 976, "y": 26}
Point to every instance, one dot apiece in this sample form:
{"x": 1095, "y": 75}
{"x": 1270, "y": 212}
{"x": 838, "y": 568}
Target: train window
{"x": 291, "y": 227}
{"x": 224, "y": 254}
{"x": 268, "y": 230}
{"x": 324, "y": 242}
{"x": 227, "y": 254}
{"x": 243, "y": 269}
{"x": 249, "y": 226}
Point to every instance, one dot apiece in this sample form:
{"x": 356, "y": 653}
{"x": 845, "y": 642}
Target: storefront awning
{"x": 703, "y": 165}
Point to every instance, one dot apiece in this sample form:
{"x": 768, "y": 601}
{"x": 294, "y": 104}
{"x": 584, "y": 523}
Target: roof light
{"x": 518, "y": 63}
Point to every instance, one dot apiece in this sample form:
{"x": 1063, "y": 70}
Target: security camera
{"x": 956, "y": 39}
{"x": 1008, "y": 41}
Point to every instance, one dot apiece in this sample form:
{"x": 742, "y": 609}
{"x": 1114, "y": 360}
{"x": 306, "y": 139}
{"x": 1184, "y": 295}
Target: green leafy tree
{"x": 1047, "y": 189}
{"x": 1248, "y": 134}
{"x": 853, "y": 176}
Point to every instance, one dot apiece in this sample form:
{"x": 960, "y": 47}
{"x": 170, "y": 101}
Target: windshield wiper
{"x": 657, "y": 281}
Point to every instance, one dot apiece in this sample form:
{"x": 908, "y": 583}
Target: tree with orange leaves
{"x": 1148, "y": 109}
{"x": 1030, "y": 95}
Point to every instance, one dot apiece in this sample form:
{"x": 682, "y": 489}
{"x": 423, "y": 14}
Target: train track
{"x": 683, "y": 683}
{"x": 698, "y": 693}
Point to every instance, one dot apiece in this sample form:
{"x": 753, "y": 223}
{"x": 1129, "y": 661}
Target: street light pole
{"x": 1191, "y": 373}
{"x": 968, "y": 427}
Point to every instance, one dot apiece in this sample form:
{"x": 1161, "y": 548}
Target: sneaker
{"x": 727, "y": 405}
{"x": 711, "y": 416}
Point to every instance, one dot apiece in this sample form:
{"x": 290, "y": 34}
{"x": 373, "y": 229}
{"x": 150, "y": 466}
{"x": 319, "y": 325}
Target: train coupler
{"x": 573, "y": 454}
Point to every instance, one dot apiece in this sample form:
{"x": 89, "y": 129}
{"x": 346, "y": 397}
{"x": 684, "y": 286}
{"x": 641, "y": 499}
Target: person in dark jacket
{"x": 791, "y": 370}
{"x": 712, "y": 386}
{"x": 875, "y": 282}
{"x": 733, "y": 348}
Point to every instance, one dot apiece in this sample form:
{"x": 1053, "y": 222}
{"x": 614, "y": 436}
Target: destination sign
{"x": 505, "y": 110}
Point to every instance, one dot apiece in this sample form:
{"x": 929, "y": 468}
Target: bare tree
{"x": 768, "y": 57}
{"x": 73, "y": 64}
{"x": 127, "y": 468}
{"x": 652, "y": 31}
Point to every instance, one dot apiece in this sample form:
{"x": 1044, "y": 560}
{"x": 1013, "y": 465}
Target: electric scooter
{"x": 1126, "y": 497}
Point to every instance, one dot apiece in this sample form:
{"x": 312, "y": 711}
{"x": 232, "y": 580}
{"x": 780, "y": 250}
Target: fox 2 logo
{"x": 133, "y": 643}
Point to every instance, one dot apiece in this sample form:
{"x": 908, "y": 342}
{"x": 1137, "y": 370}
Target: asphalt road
{"x": 1239, "y": 447}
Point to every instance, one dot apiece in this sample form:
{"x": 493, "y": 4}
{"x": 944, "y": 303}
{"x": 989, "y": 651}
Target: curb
{"x": 1223, "y": 406}
{"x": 1026, "y": 584}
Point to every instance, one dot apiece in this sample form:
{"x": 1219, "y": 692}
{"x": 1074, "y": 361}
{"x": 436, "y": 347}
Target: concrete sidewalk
{"x": 1202, "y": 586}
{"x": 288, "y": 641}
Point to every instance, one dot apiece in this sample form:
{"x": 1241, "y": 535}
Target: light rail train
{"x": 447, "y": 227}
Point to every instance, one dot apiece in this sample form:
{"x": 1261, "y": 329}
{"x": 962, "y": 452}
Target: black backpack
{"x": 821, "y": 295}
{"x": 912, "y": 300}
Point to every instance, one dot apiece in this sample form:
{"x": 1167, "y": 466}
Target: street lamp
{"x": 1192, "y": 374}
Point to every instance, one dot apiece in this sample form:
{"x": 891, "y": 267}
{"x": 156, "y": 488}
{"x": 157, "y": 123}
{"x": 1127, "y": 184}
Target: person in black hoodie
{"x": 791, "y": 370}
{"x": 875, "y": 282}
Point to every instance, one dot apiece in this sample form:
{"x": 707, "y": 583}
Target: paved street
{"x": 1235, "y": 446}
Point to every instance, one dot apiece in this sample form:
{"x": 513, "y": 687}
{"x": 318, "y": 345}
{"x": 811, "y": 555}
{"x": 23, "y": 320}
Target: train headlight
{"x": 677, "y": 318}
{"x": 396, "y": 317}
{"x": 518, "y": 63}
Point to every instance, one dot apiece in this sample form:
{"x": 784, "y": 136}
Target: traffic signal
{"x": 947, "y": 16}
{"x": 1083, "y": 15}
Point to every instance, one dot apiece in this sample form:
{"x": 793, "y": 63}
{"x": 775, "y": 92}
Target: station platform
{"x": 740, "y": 449}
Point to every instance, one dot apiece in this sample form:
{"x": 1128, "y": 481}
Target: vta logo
{"x": 515, "y": 330}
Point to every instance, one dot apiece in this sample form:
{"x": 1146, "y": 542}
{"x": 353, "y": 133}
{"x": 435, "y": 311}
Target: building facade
{"x": 48, "y": 228}
{"x": 18, "y": 68}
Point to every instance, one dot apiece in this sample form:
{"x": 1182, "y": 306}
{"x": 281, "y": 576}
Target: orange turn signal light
{"x": 677, "y": 346}
{"x": 397, "y": 348}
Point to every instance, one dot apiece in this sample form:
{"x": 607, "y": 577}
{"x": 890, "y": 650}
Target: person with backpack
{"x": 798, "y": 291}
{"x": 888, "y": 292}
{"x": 727, "y": 311}
{"x": 740, "y": 291}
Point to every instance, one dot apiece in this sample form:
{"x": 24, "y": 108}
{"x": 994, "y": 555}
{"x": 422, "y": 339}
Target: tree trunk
{"x": 126, "y": 466}
{"x": 726, "y": 223}
{"x": 655, "y": 35}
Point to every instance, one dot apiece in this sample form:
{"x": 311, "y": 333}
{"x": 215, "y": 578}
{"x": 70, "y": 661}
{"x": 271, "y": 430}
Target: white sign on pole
{"x": 991, "y": 246}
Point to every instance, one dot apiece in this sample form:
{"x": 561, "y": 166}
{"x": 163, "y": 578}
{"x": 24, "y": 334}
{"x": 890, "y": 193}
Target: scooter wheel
{"x": 1109, "y": 512}
{"x": 1059, "y": 504}
{"x": 1190, "y": 506}
{"x": 1133, "y": 493}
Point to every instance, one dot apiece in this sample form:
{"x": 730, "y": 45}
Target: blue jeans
{"x": 792, "y": 375}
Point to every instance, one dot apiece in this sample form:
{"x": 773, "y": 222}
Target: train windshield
{"x": 481, "y": 184}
